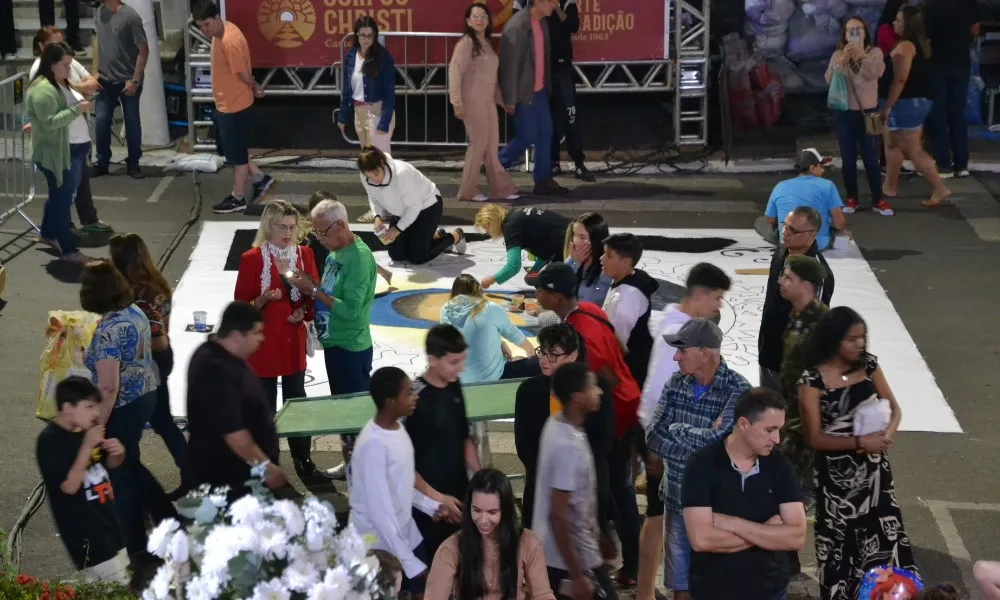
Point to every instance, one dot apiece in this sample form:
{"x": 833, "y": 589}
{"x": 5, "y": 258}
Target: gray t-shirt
{"x": 566, "y": 463}
{"x": 119, "y": 35}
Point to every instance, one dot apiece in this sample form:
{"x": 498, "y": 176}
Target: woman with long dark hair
{"x": 51, "y": 112}
{"x": 83, "y": 85}
{"x": 369, "y": 91}
{"x": 407, "y": 208}
{"x": 859, "y": 525}
{"x": 861, "y": 64}
{"x": 153, "y": 295}
{"x": 886, "y": 39}
{"x": 584, "y": 250}
{"x": 472, "y": 88}
{"x": 908, "y": 105}
{"x": 490, "y": 556}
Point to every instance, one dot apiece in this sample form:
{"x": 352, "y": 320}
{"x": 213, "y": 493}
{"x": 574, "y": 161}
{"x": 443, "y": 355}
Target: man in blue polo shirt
{"x": 808, "y": 189}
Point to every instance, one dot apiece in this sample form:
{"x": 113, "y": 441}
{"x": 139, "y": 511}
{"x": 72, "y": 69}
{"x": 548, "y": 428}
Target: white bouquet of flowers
{"x": 260, "y": 548}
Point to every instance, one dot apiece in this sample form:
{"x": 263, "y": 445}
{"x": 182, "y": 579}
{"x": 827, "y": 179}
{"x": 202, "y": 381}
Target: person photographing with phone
{"x": 858, "y": 64}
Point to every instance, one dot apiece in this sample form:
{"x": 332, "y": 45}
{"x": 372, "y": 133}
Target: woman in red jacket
{"x": 261, "y": 283}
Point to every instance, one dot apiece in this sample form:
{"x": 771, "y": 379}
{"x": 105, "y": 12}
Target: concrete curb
{"x": 166, "y": 159}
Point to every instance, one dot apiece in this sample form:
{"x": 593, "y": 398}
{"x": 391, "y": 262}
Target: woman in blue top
{"x": 120, "y": 360}
{"x": 369, "y": 91}
{"x": 584, "y": 255}
{"x": 485, "y": 325}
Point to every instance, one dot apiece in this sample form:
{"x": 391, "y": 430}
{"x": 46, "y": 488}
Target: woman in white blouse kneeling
{"x": 407, "y": 208}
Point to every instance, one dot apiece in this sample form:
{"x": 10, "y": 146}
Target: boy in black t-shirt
{"x": 443, "y": 449}
{"x": 73, "y": 456}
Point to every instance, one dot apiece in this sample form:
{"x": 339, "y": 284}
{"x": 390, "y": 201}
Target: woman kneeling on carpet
{"x": 407, "y": 208}
{"x": 485, "y": 326}
{"x": 283, "y": 352}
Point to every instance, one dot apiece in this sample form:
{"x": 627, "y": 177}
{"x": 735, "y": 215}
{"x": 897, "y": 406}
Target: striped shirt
{"x": 683, "y": 424}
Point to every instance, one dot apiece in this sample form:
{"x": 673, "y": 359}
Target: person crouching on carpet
{"x": 540, "y": 232}
{"x": 285, "y": 308}
{"x": 407, "y": 207}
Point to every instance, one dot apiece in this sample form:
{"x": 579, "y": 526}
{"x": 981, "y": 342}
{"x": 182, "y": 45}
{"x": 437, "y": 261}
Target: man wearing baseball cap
{"x": 808, "y": 189}
{"x": 695, "y": 410}
{"x": 556, "y": 287}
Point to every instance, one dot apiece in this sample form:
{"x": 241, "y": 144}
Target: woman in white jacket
{"x": 407, "y": 208}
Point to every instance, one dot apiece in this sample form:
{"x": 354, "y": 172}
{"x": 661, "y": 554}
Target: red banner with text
{"x": 309, "y": 33}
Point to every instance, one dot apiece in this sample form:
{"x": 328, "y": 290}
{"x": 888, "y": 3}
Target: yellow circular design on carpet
{"x": 287, "y": 23}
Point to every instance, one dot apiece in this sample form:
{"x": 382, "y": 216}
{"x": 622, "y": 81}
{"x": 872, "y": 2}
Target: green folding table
{"x": 348, "y": 413}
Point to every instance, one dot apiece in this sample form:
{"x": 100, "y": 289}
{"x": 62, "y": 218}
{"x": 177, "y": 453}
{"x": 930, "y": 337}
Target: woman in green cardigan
{"x": 50, "y": 112}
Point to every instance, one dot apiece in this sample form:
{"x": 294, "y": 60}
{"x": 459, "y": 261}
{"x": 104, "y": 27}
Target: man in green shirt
{"x": 799, "y": 283}
{"x": 343, "y": 299}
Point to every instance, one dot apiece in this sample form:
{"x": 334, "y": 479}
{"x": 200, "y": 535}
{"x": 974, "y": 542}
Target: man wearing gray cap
{"x": 695, "y": 410}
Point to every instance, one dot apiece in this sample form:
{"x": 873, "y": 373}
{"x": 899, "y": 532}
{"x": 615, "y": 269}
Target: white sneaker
{"x": 480, "y": 198}
{"x": 513, "y": 197}
{"x": 962, "y": 173}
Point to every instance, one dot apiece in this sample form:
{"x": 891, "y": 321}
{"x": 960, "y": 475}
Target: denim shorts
{"x": 909, "y": 114}
{"x": 676, "y": 554}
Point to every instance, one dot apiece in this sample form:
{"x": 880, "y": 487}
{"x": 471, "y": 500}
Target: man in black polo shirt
{"x": 743, "y": 510}
{"x": 230, "y": 421}
{"x": 798, "y": 237}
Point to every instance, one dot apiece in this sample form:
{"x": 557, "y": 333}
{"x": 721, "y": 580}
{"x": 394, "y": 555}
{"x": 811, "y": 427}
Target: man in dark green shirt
{"x": 343, "y": 298}
{"x": 799, "y": 284}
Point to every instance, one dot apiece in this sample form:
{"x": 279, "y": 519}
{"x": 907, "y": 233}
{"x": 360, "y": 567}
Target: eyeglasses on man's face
{"x": 795, "y": 231}
{"x": 550, "y": 354}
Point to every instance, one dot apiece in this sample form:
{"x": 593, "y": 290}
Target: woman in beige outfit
{"x": 472, "y": 86}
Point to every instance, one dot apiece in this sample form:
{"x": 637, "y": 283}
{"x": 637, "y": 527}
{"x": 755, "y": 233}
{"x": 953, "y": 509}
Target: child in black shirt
{"x": 443, "y": 450}
{"x": 73, "y": 456}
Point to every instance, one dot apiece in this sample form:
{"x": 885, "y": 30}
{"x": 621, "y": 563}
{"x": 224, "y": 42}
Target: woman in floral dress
{"x": 859, "y": 525}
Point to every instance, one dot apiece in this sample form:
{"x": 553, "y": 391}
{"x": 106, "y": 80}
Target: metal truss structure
{"x": 686, "y": 75}
{"x": 692, "y": 65}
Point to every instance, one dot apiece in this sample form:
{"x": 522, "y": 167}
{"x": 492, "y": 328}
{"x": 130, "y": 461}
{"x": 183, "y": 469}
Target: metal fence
{"x": 423, "y": 111}
{"x": 422, "y": 102}
{"x": 16, "y": 169}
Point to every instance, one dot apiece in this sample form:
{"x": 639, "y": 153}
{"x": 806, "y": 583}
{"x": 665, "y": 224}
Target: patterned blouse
{"x": 123, "y": 336}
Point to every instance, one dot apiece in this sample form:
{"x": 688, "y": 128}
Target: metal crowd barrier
{"x": 16, "y": 169}
{"x": 421, "y": 60}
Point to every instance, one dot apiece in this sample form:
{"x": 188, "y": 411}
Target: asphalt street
{"x": 939, "y": 268}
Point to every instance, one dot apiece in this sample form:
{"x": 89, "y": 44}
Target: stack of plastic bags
{"x": 756, "y": 93}
{"x": 766, "y": 25}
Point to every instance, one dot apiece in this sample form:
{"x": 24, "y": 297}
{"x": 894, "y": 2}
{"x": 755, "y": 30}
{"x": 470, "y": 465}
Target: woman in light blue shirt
{"x": 584, "y": 256}
{"x": 485, "y": 326}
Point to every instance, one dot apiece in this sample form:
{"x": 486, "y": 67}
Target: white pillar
{"x": 152, "y": 103}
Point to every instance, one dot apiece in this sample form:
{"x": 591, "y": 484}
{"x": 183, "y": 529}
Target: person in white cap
{"x": 808, "y": 189}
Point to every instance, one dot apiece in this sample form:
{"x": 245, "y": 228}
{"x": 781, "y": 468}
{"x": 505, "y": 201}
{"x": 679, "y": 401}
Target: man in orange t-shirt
{"x": 234, "y": 90}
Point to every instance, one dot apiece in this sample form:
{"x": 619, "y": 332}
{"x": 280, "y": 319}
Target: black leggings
{"x": 521, "y": 369}
{"x": 292, "y": 386}
{"x": 416, "y": 244}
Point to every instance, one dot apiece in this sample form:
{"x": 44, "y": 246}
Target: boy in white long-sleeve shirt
{"x": 382, "y": 493}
